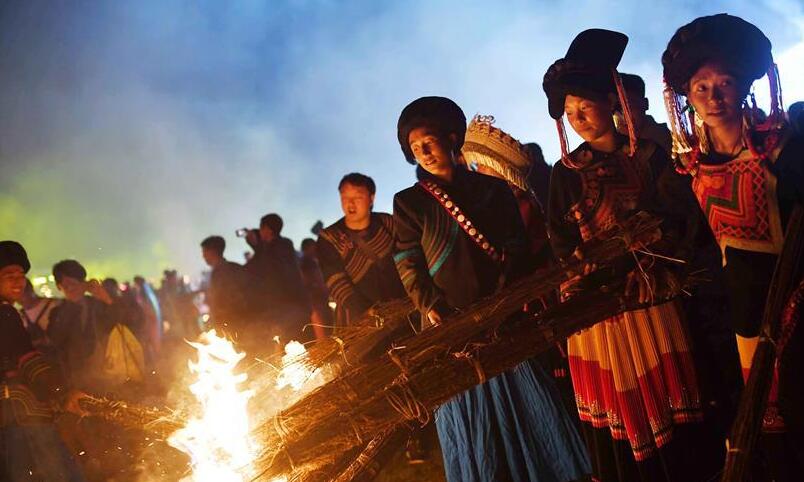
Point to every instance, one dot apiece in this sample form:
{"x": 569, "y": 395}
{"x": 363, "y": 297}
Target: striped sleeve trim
{"x": 446, "y": 251}
{"x": 340, "y": 288}
{"x": 403, "y": 255}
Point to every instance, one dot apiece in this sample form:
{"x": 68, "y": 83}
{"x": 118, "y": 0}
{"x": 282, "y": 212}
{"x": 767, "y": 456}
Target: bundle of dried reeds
{"x": 361, "y": 464}
{"x": 367, "y": 464}
{"x": 748, "y": 422}
{"x": 412, "y": 379}
{"x": 377, "y": 330}
{"x": 158, "y": 421}
{"x": 371, "y": 335}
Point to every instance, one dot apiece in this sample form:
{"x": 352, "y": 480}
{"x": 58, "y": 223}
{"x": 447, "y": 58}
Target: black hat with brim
{"x": 586, "y": 70}
{"x": 738, "y": 45}
{"x": 440, "y": 113}
{"x": 12, "y": 253}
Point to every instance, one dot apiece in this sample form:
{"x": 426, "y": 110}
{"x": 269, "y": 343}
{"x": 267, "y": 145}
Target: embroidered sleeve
{"x": 564, "y": 233}
{"x": 410, "y": 260}
{"x": 43, "y": 378}
{"x": 16, "y": 347}
{"x": 341, "y": 289}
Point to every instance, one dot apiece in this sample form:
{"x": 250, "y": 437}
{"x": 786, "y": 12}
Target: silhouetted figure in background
{"x": 132, "y": 315}
{"x": 276, "y": 268}
{"x": 796, "y": 115}
{"x": 644, "y": 123}
{"x": 178, "y": 309}
{"x": 152, "y": 328}
{"x": 229, "y": 296}
{"x": 538, "y": 177}
{"x": 316, "y": 287}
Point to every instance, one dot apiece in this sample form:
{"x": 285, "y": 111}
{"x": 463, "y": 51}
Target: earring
{"x": 619, "y": 121}
{"x": 700, "y": 132}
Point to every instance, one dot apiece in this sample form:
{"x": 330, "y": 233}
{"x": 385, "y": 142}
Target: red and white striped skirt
{"x": 634, "y": 374}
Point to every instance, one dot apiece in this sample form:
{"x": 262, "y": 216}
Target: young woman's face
{"x": 716, "y": 95}
{"x": 591, "y": 119}
{"x": 12, "y": 283}
{"x": 432, "y": 151}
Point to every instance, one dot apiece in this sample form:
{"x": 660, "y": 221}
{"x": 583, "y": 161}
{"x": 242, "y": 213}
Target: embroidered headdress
{"x": 489, "y": 146}
{"x": 746, "y": 52}
{"x": 589, "y": 70}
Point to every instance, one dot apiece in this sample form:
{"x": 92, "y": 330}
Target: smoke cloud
{"x": 129, "y": 131}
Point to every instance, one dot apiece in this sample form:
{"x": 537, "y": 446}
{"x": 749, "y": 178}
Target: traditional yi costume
{"x": 457, "y": 242}
{"x": 492, "y": 148}
{"x": 635, "y": 381}
{"x": 29, "y": 443}
{"x": 747, "y": 198}
{"x": 358, "y": 266}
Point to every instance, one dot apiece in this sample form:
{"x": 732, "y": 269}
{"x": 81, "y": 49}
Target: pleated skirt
{"x": 511, "y": 428}
{"x": 634, "y": 374}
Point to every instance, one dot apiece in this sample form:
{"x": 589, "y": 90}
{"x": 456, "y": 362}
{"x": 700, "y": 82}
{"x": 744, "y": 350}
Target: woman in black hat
{"x": 635, "y": 382}
{"x": 459, "y": 236}
{"x": 748, "y": 173}
{"x": 30, "y": 447}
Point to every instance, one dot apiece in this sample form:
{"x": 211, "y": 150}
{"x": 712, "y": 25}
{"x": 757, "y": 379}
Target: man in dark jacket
{"x": 276, "y": 268}
{"x": 81, "y": 324}
{"x": 231, "y": 289}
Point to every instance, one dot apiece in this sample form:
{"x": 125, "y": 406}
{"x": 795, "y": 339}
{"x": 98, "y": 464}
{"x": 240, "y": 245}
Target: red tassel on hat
{"x": 629, "y": 120}
{"x": 686, "y": 151}
{"x": 566, "y": 159}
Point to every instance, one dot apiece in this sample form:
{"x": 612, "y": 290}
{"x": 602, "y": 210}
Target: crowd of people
{"x": 647, "y": 395}
{"x": 101, "y": 338}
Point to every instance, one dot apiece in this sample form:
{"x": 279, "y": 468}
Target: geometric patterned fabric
{"x": 739, "y": 200}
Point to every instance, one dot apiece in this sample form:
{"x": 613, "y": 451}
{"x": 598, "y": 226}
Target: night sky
{"x": 129, "y": 131}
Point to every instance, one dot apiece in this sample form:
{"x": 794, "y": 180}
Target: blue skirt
{"x": 511, "y": 428}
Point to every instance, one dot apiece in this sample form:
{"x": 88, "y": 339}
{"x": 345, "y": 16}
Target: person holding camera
{"x": 275, "y": 268}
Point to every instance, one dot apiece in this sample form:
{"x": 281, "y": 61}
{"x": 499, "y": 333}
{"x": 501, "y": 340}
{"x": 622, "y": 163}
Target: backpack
{"x": 124, "y": 359}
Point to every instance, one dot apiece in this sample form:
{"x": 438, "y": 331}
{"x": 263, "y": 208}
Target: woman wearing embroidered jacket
{"x": 747, "y": 173}
{"x": 459, "y": 236}
{"x": 635, "y": 383}
{"x": 30, "y": 447}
